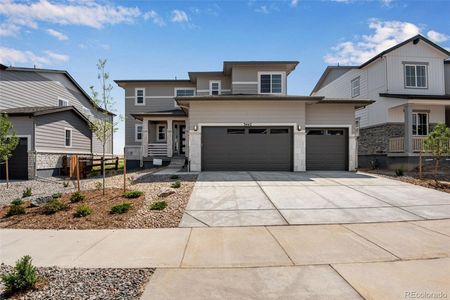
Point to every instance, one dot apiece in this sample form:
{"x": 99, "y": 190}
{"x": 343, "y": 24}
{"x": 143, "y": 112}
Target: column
{"x": 144, "y": 143}
{"x": 169, "y": 138}
{"x": 353, "y": 152}
{"x": 195, "y": 148}
{"x": 299, "y": 150}
{"x": 408, "y": 128}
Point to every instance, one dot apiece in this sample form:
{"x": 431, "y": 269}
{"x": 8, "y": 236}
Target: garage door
{"x": 326, "y": 149}
{"x": 247, "y": 149}
{"x": 18, "y": 163}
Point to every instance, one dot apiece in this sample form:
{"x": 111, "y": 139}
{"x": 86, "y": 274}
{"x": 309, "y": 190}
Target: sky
{"x": 166, "y": 39}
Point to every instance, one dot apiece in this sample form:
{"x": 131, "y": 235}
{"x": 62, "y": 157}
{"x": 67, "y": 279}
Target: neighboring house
{"x": 410, "y": 84}
{"x": 239, "y": 118}
{"x": 50, "y": 114}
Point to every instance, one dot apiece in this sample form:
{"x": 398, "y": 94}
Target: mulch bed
{"x": 34, "y": 218}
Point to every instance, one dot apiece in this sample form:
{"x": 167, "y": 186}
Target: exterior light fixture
{"x": 299, "y": 128}
{"x": 195, "y": 127}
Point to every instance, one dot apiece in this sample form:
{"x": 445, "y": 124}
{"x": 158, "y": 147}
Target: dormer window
{"x": 415, "y": 75}
{"x": 355, "y": 85}
{"x": 270, "y": 83}
{"x": 140, "y": 96}
{"x": 214, "y": 87}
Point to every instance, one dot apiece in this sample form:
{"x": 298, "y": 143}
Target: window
{"x": 180, "y": 92}
{"x": 161, "y": 133}
{"x": 271, "y": 83}
{"x": 420, "y": 123}
{"x": 68, "y": 137}
{"x": 279, "y": 131}
{"x": 140, "y": 96}
{"x": 214, "y": 87}
{"x": 138, "y": 133}
{"x": 236, "y": 131}
{"x": 257, "y": 131}
{"x": 63, "y": 102}
{"x": 315, "y": 132}
{"x": 335, "y": 132}
{"x": 355, "y": 87}
{"x": 415, "y": 76}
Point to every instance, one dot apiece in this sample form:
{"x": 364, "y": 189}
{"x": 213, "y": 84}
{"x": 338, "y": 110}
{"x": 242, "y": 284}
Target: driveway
{"x": 285, "y": 198}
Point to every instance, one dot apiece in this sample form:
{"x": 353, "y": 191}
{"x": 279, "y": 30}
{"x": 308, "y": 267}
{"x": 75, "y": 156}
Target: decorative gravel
{"x": 62, "y": 283}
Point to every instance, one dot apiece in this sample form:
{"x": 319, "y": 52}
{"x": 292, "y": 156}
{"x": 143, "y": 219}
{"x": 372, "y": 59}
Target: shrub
{"x": 22, "y": 278}
{"x": 83, "y": 211}
{"x": 27, "y": 192}
{"x": 17, "y": 201}
{"x": 121, "y": 208}
{"x": 176, "y": 184}
{"x": 77, "y": 197}
{"x": 399, "y": 172}
{"x": 98, "y": 185}
{"x": 15, "y": 210}
{"x": 174, "y": 176}
{"x": 133, "y": 194}
{"x": 53, "y": 206}
{"x": 65, "y": 184}
{"x": 56, "y": 195}
{"x": 159, "y": 205}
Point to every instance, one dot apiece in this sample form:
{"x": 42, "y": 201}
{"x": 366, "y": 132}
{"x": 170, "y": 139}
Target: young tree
{"x": 103, "y": 128}
{"x": 8, "y": 142}
{"x": 438, "y": 144}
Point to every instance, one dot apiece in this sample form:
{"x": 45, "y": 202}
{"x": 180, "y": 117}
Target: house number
{"x": 247, "y": 124}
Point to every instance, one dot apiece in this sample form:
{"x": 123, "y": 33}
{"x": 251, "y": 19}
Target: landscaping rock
{"x": 39, "y": 201}
{"x": 165, "y": 192}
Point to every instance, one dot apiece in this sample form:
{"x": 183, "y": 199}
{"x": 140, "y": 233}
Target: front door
{"x": 182, "y": 139}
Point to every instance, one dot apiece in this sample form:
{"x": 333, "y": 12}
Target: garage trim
{"x": 28, "y": 137}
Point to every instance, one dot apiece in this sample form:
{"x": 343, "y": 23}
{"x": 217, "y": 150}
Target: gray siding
{"x": 245, "y": 78}
{"x": 447, "y": 78}
{"x": 50, "y": 133}
{"x": 203, "y": 84}
{"x": 152, "y": 103}
{"x": 23, "y": 126}
{"x": 19, "y": 88}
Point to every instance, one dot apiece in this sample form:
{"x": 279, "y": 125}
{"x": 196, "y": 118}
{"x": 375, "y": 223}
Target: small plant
{"x": 121, "y": 208}
{"x": 27, "y": 192}
{"x": 17, "y": 201}
{"x": 83, "y": 211}
{"x": 98, "y": 185}
{"x": 174, "y": 176}
{"x": 77, "y": 197}
{"x": 53, "y": 206}
{"x": 159, "y": 205}
{"x": 22, "y": 278}
{"x": 57, "y": 195}
{"x": 65, "y": 184}
{"x": 399, "y": 172}
{"x": 15, "y": 210}
{"x": 176, "y": 184}
{"x": 133, "y": 194}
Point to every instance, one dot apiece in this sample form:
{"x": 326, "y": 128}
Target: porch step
{"x": 177, "y": 162}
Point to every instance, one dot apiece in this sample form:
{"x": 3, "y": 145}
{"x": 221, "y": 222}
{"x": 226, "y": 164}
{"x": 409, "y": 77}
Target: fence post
{"x": 124, "y": 172}
{"x": 78, "y": 172}
{"x": 7, "y": 173}
{"x": 117, "y": 163}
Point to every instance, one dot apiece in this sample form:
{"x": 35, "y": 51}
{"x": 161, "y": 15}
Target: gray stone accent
{"x": 375, "y": 139}
{"x": 31, "y": 165}
{"x": 48, "y": 160}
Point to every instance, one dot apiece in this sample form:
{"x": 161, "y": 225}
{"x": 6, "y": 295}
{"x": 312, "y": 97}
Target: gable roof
{"x": 337, "y": 70}
{"x": 42, "y": 110}
{"x": 290, "y": 64}
{"x": 63, "y": 72}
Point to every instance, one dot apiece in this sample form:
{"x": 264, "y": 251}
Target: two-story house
{"x": 50, "y": 113}
{"x": 410, "y": 84}
{"x": 238, "y": 118}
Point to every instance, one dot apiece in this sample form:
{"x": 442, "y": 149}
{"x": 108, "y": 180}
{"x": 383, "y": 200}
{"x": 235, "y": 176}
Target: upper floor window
{"x": 138, "y": 132}
{"x": 270, "y": 83}
{"x": 68, "y": 137}
{"x": 63, "y": 102}
{"x": 214, "y": 87}
{"x": 180, "y": 92}
{"x": 420, "y": 123}
{"x": 415, "y": 75}
{"x": 140, "y": 96}
{"x": 355, "y": 87}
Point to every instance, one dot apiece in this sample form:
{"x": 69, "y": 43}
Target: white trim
{"x": 417, "y": 120}
{"x": 283, "y": 81}
{"x": 39, "y": 151}
{"x": 200, "y": 125}
{"x": 28, "y": 140}
{"x": 226, "y": 90}
{"x": 157, "y": 97}
{"x": 136, "y": 96}
{"x": 136, "y": 132}
{"x": 358, "y": 78}
{"x": 157, "y": 132}
{"x": 64, "y": 100}
{"x": 219, "y": 82}
{"x": 415, "y": 65}
{"x": 71, "y": 137}
{"x": 181, "y": 88}
{"x": 332, "y": 126}
{"x": 245, "y": 82}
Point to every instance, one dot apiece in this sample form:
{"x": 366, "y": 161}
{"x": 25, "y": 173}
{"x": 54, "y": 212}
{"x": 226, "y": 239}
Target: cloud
{"x": 83, "y": 13}
{"x": 386, "y": 34}
{"x": 9, "y": 29}
{"x": 437, "y": 36}
{"x": 294, "y": 3}
{"x": 59, "y": 35}
{"x": 179, "y": 16}
{"x": 263, "y": 9}
{"x": 10, "y": 56}
{"x": 156, "y": 19}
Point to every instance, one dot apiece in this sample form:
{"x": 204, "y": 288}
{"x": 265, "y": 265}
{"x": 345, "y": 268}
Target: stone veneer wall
{"x": 31, "y": 165}
{"x": 375, "y": 139}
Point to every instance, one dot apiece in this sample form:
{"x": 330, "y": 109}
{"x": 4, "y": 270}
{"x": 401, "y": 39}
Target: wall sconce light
{"x": 195, "y": 127}
{"x": 299, "y": 128}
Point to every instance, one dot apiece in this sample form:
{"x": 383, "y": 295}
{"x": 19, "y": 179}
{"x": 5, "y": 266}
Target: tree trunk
{"x": 103, "y": 168}
{"x": 124, "y": 171}
{"x": 7, "y": 173}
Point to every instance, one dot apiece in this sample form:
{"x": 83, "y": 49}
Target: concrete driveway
{"x": 285, "y": 198}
